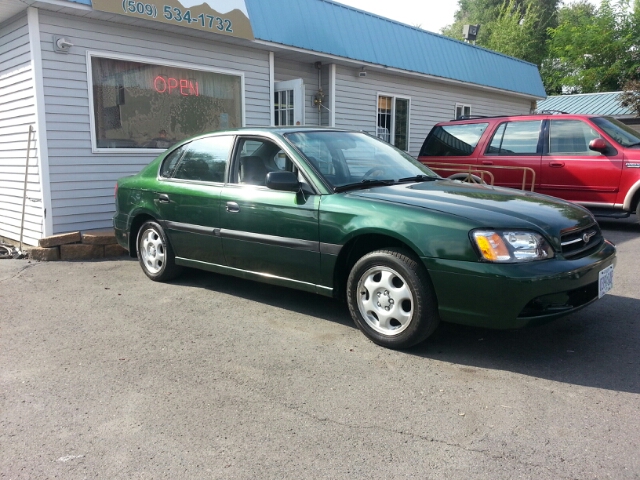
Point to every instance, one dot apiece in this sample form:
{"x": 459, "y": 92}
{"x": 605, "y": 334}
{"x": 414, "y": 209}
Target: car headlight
{"x": 511, "y": 246}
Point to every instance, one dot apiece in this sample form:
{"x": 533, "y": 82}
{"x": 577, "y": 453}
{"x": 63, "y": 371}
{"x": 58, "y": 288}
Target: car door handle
{"x": 163, "y": 198}
{"x": 233, "y": 207}
{"x": 556, "y": 164}
{"x": 487, "y": 162}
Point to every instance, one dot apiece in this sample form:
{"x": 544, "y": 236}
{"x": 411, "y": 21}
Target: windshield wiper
{"x": 363, "y": 184}
{"x": 418, "y": 178}
{"x": 637, "y": 144}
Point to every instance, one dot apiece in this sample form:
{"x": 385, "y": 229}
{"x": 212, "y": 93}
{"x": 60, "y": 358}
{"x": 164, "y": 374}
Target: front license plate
{"x": 605, "y": 281}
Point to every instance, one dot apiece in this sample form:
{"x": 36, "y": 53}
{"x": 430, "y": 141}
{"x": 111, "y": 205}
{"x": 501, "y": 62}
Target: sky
{"x": 430, "y": 15}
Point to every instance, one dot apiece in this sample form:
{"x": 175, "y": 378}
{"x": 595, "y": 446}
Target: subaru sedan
{"x": 345, "y": 215}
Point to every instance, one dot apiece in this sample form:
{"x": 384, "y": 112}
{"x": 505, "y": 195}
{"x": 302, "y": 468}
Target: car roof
{"x": 276, "y": 130}
{"x": 529, "y": 116}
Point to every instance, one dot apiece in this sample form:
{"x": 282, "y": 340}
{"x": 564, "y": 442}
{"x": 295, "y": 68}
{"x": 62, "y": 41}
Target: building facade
{"x": 90, "y": 92}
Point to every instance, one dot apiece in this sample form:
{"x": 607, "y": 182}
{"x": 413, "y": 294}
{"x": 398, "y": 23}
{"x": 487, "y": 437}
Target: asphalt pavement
{"x": 105, "y": 374}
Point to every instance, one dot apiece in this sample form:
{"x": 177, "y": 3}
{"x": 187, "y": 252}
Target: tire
{"x": 391, "y": 299}
{"x": 155, "y": 254}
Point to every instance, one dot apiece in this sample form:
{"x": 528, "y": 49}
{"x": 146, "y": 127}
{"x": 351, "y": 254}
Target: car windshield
{"x": 348, "y": 158}
{"x": 621, "y": 133}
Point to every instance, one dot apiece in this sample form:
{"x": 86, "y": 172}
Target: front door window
{"x": 288, "y": 103}
{"x": 393, "y": 121}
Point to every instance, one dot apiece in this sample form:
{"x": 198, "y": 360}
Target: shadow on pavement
{"x": 286, "y": 298}
{"x": 620, "y": 231}
{"x": 595, "y": 347}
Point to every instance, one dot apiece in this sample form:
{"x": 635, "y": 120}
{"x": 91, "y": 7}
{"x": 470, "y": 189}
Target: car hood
{"x": 486, "y": 206}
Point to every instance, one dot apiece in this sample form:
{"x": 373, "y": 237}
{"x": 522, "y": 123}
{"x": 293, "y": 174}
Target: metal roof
{"x": 332, "y": 28}
{"x": 607, "y": 103}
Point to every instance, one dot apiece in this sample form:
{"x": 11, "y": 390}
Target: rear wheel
{"x": 391, "y": 299}
{"x": 155, "y": 253}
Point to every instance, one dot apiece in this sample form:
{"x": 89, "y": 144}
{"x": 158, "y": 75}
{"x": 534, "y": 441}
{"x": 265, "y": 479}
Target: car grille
{"x": 580, "y": 243}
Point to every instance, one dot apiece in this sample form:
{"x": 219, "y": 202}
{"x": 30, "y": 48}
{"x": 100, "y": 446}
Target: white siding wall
{"x": 431, "y": 102}
{"x": 17, "y": 113}
{"x": 82, "y": 182}
{"x": 288, "y": 70}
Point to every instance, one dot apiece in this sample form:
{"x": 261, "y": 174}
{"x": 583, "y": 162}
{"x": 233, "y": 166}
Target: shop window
{"x": 139, "y": 105}
{"x": 393, "y": 121}
{"x": 462, "y": 110}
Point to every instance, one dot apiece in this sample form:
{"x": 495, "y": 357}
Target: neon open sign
{"x": 182, "y": 86}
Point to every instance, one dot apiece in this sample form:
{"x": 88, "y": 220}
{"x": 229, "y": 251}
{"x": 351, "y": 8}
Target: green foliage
{"x": 593, "y": 49}
{"x": 630, "y": 98}
{"x": 514, "y": 33}
{"x": 579, "y": 48}
{"x": 514, "y": 27}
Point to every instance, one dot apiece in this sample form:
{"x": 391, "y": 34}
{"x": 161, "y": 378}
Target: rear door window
{"x": 171, "y": 161}
{"x": 453, "y": 140}
{"x": 516, "y": 138}
{"x": 205, "y": 160}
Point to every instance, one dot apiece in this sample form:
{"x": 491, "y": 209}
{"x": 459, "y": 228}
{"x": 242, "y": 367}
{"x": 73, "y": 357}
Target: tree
{"x": 514, "y": 27}
{"x": 630, "y": 98}
{"x": 593, "y": 49}
{"x": 514, "y": 33}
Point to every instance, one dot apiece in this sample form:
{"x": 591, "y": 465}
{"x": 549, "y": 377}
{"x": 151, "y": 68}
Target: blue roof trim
{"x": 587, "y": 103}
{"x": 332, "y": 28}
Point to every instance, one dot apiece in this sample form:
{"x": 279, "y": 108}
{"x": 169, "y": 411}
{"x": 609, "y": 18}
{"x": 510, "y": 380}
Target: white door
{"x": 288, "y": 102}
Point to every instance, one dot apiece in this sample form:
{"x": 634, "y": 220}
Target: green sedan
{"x": 345, "y": 215}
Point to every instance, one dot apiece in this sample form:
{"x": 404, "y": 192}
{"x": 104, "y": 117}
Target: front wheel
{"x": 391, "y": 299}
{"x": 155, "y": 253}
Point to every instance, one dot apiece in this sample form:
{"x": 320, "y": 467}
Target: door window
{"x": 205, "y": 159}
{"x": 256, "y": 158}
{"x": 283, "y": 104}
{"x": 171, "y": 161}
{"x": 288, "y": 103}
{"x": 516, "y": 138}
{"x": 393, "y": 121}
{"x": 571, "y": 137}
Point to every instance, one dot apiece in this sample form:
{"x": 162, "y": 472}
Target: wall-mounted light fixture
{"x": 363, "y": 72}
{"x": 61, "y": 44}
{"x": 318, "y": 98}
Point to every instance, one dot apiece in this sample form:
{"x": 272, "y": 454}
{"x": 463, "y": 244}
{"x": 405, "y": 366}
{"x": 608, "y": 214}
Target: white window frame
{"x": 462, "y": 106}
{"x": 392, "y": 130}
{"x": 149, "y": 61}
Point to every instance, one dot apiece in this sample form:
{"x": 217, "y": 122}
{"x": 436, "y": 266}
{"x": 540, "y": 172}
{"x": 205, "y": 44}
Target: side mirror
{"x": 285, "y": 181}
{"x": 598, "y": 145}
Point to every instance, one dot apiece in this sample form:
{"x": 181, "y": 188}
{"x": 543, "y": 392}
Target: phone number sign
{"x": 234, "y": 23}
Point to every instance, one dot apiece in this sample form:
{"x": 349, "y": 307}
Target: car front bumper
{"x": 516, "y": 295}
